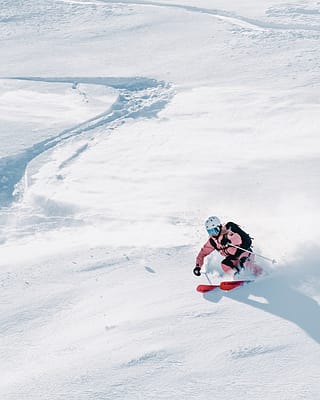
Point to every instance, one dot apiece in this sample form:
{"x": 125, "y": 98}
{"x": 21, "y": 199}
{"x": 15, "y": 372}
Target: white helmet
{"x": 213, "y": 226}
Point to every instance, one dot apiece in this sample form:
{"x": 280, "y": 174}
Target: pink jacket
{"x": 215, "y": 244}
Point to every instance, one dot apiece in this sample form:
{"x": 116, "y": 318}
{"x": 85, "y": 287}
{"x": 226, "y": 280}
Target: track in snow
{"x": 138, "y": 98}
{"x": 231, "y": 17}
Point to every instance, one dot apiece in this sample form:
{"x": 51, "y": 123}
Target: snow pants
{"x": 233, "y": 263}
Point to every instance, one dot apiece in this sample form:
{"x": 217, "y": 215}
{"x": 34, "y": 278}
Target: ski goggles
{"x": 214, "y": 231}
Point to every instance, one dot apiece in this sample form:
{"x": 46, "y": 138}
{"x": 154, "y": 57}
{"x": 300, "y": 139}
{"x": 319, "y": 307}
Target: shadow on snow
{"x": 282, "y": 299}
{"x": 281, "y": 294}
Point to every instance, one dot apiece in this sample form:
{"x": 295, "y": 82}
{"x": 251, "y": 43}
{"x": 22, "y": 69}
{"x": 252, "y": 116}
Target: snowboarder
{"x": 222, "y": 237}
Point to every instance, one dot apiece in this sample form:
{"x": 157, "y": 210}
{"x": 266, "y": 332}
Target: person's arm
{"x": 207, "y": 249}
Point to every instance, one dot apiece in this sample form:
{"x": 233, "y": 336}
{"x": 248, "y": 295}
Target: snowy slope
{"x": 124, "y": 125}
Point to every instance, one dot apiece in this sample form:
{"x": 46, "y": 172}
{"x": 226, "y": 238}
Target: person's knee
{"x": 226, "y": 268}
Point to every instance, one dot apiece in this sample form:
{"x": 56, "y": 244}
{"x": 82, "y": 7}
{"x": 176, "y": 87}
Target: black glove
{"x": 197, "y": 270}
{"x": 225, "y": 241}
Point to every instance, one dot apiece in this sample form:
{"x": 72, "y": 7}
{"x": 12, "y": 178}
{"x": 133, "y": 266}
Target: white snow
{"x": 124, "y": 125}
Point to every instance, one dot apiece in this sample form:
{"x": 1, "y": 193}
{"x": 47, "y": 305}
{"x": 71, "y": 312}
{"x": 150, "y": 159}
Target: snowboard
{"x": 224, "y": 285}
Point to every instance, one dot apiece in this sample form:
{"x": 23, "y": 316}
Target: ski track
{"x": 73, "y": 156}
{"x": 231, "y": 17}
{"x": 138, "y": 98}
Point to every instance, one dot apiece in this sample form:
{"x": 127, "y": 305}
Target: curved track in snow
{"x": 231, "y": 17}
{"x": 138, "y": 98}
